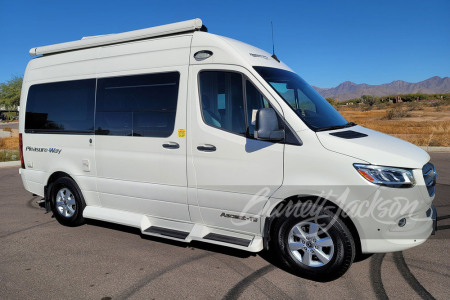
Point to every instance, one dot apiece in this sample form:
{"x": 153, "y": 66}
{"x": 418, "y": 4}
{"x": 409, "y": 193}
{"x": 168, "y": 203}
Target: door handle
{"x": 171, "y": 145}
{"x": 206, "y": 148}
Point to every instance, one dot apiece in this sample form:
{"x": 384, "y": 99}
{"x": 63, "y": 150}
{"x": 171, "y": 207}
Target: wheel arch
{"x": 271, "y": 218}
{"x": 52, "y": 178}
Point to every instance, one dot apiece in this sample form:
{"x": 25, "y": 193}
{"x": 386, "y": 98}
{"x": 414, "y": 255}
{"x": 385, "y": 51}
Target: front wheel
{"x": 318, "y": 246}
{"x": 67, "y": 202}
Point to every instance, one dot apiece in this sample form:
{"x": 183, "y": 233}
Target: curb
{"x": 435, "y": 149}
{"x": 15, "y": 163}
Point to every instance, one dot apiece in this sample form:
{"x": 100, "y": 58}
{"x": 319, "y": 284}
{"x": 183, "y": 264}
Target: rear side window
{"x": 140, "y": 105}
{"x": 61, "y": 107}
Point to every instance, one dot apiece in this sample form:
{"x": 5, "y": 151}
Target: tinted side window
{"x": 61, "y": 107}
{"x": 141, "y": 105}
{"x": 255, "y": 101}
{"x": 222, "y": 100}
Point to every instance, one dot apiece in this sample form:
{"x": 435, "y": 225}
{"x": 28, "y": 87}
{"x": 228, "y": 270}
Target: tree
{"x": 331, "y": 101}
{"x": 367, "y": 99}
{"x": 10, "y": 93}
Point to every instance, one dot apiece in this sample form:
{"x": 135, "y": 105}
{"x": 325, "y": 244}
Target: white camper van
{"x": 189, "y": 136}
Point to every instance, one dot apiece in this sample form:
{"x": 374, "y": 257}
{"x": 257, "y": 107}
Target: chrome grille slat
{"x": 431, "y": 191}
{"x": 429, "y": 176}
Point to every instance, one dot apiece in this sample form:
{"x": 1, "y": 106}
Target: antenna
{"x": 273, "y": 45}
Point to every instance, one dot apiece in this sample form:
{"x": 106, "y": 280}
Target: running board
{"x": 176, "y": 230}
{"x": 182, "y": 235}
{"x": 227, "y": 239}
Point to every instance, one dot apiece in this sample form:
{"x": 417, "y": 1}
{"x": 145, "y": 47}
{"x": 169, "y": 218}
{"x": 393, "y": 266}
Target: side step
{"x": 167, "y": 232}
{"x": 227, "y": 239}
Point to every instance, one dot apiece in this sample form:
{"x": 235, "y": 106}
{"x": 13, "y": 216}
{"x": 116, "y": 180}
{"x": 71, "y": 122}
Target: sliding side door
{"x": 140, "y": 145}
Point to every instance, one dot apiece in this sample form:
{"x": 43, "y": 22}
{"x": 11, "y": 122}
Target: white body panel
{"x": 233, "y": 178}
{"x": 134, "y": 181}
{"x": 371, "y": 149}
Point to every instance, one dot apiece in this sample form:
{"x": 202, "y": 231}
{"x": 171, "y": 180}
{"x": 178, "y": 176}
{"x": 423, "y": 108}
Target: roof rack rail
{"x": 109, "y": 39}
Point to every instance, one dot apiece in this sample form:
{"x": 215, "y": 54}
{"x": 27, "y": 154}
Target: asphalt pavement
{"x": 41, "y": 259}
{"x": 12, "y": 125}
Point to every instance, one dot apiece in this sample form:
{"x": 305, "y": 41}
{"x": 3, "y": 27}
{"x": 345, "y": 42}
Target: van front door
{"x": 140, "y": 143}
{"x": 233, "y": 173}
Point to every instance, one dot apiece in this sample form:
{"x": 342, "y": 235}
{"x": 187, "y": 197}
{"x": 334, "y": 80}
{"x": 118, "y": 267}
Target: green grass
{"x": 9, "y": 155}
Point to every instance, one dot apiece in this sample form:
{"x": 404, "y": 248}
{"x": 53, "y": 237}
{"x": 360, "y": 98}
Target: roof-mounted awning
{"x": 89, "y": 42}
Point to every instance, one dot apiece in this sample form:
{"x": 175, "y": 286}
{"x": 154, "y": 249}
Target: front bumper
{"x": 433, "y": 213}
{"x": 419, "y": 227}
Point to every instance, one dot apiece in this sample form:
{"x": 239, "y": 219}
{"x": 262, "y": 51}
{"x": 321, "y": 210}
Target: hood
{"x": 374, "y": 147}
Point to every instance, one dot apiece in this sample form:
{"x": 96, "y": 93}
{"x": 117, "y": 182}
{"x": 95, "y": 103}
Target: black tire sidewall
{"x": 344, "y": 248}
{"x": 77, "y": 218}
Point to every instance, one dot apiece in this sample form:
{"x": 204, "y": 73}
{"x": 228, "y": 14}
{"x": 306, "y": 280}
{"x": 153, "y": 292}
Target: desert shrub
{"x": 396, "y": 113}
{"x": 411, "y": 106}
{"x": 437, "y": 105}
{"x": 9, "y": 155}
{"x": 381, "y": 105}
{"x": 434, "y": 143}
{"x": 365, "y": 107}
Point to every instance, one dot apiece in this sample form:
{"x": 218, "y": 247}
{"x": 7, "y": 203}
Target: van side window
{"x": 61, "y": 107}
{"x": 139, "y": 105}
{"x": 255, "y": 101}
{"x": 222, "y": 100}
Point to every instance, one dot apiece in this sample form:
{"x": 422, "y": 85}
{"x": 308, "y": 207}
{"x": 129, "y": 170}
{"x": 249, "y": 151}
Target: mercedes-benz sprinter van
{"x": 189, "y": 136}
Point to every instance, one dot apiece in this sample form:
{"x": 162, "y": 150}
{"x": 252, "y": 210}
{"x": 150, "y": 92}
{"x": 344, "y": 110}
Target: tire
{"x": 67, "y": 202}
{"x": 321, "y": 249}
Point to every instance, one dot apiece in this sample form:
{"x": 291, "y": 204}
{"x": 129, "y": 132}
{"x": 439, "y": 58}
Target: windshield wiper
{"x": 349, "y": 124}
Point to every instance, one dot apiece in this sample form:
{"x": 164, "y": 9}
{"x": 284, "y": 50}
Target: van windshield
{"x": 307, "y": 103}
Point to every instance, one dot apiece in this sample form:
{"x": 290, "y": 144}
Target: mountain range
{"x": 350, "y": 90}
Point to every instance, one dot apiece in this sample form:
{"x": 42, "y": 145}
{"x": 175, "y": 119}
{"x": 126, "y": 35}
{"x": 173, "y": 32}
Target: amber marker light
{"x": 365, "y": 175}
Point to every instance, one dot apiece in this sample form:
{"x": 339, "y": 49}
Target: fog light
{"x": 402, "y": 222}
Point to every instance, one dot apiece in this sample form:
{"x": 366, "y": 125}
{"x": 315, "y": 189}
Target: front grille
{"x": 429, "y": 175}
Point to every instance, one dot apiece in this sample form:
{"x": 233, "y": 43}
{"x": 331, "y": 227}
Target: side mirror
{"x": 266, "y": 126}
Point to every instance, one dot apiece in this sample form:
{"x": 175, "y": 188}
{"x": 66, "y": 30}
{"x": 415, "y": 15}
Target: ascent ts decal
{"x": 238, "y": 217}
{"x": 37, "y": 149}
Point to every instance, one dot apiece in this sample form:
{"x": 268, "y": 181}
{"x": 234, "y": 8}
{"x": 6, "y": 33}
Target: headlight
{"x": 387, "y": 176}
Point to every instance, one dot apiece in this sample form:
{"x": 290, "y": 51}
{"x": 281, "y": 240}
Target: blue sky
{"x": 326, "y": 42}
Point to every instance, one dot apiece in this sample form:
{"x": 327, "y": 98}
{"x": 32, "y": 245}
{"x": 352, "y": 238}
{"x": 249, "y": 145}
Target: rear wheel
{"x": 319, "y": 247}
{"x": 67, "y": 202}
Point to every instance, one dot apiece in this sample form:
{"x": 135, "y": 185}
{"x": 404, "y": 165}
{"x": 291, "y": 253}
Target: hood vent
{"x": 349, "y": 134}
